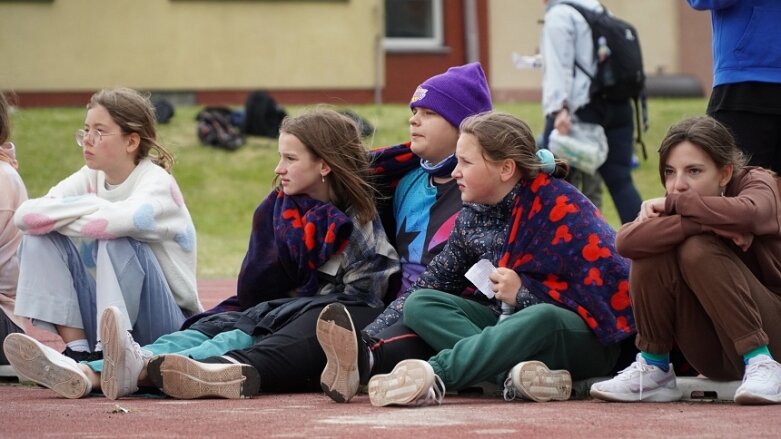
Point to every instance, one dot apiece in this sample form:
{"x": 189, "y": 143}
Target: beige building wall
{"x": 515, "y": 25}
{"x": 184, "y": 45}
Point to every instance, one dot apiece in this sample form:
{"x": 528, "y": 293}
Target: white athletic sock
{"x": 80, "y": 345}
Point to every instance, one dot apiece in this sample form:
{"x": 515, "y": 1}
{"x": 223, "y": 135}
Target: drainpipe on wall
{"x": 379, "y": 52}
{"x": 471, "y": 35}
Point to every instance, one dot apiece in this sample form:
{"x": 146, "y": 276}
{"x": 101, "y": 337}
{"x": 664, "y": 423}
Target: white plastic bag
{"x": 584, "y": 148}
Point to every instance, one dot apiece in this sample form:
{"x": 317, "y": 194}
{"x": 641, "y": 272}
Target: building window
{"x": 413, "y": 24}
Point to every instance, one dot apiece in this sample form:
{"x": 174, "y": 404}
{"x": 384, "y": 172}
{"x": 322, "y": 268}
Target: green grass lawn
{"x": 221, "y": 188}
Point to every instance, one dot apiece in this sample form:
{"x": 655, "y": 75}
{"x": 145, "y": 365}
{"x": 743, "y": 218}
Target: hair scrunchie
{"x": 547, "y": 161}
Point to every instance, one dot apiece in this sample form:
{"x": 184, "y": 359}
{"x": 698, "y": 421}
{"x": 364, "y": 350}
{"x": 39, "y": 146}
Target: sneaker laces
{"x": 509, "y": 393}
{"x": 435, "y": 394}
{"x": 137, "y": 349}
{"x": 760, "y": 371}
{"x": 637, "y": 367}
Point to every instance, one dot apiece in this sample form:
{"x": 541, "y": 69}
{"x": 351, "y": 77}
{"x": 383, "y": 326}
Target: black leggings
{"x": 7, "y": 326}
{"x": 393, "y": 344}
{"x": 291, "y": 359}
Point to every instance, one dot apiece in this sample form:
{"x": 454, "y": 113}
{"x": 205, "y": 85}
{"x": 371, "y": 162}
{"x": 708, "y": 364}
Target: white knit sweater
{"x": 148, "y": 206}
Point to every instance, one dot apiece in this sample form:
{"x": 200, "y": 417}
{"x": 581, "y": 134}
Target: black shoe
{"x": 365, "y": 372}
{"x": 80, "y": 356}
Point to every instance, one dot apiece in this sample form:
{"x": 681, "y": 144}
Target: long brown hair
{"x": 504, "y": 136}
{"x": 5, "y": 127}
{"x": 334, "y": 138}
{"x": 5, "y": 120}
{"x": 134, "y": 113}
{"x": 707, "y": 133}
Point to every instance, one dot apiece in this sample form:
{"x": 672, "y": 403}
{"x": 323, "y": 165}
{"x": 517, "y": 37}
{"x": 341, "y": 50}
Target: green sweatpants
{"x": 474, "y": 346}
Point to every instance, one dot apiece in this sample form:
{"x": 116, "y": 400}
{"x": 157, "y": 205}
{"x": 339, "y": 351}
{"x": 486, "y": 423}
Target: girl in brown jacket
{"x": 706, "y": 271}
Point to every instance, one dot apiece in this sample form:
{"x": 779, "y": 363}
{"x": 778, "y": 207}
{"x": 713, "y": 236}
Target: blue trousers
{"x": 616, "y": 119}
{"x": 56, "y": 286}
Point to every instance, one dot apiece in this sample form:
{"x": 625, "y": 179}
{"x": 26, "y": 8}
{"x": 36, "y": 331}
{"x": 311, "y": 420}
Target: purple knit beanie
{"x": 460, "y": 92}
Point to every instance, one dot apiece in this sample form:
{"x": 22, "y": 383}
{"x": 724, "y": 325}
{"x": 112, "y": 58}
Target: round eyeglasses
{"x": 94, "y": 137}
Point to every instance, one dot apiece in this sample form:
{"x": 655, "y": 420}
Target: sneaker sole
{"x": 183, "y": 378}
{"x": 745, "y": 398}
{"x": 404, "y": 384}
{"x": 32, "y": 363}
{"x": 336, "y": 335}
{"x": 536, "y": 382}
{"x": 113, "y": 355}
{"x": 656, "y": 395}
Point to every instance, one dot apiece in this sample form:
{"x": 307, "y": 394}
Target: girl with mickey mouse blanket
{"x": 557, "y": 268}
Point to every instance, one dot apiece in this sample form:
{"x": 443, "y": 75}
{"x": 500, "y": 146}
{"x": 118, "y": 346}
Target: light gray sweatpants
{"x": 56, "y": 286}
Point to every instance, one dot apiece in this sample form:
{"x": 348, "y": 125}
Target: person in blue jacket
{"x": 746, "y": 94}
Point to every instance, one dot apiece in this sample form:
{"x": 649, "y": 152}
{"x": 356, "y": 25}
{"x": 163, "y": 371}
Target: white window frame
{"x": 434, "y": 42}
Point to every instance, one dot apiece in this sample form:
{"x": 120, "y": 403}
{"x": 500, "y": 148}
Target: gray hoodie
{"x": 566, "y": 38}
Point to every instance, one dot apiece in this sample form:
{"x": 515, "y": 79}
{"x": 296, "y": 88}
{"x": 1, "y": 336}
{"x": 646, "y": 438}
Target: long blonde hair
{"x": 134, "y": 113}
{"x": 334, "y": 138}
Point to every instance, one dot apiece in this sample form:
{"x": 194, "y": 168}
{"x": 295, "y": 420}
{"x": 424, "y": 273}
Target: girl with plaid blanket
{"x": 316, "y": 239}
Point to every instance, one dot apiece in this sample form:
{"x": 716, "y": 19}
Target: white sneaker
{"x": 184, "y": 378}
{"x": 639, "y": 382}
{"x": 411, "y": 382}
{"x": 761, "y": 382}
{"x": 123, "y": 358}
{"x": 533, "y": 380}
{"x": 41, "y": 364}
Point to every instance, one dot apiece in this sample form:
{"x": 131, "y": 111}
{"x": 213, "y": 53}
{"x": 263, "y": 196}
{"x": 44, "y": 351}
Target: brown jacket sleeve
{"x": 750, "y": 205}
{"x": 637, "y": 240}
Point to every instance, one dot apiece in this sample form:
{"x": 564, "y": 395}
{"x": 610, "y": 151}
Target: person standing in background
{"x": 566, "y": 42}
{"x": 746, "y": 94}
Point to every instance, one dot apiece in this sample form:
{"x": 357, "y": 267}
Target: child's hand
{"x": 506, "y": 284}
{"x": 651, "y": 208}
{"x": 563, "y": 122}
{"x": 741, "y": 239}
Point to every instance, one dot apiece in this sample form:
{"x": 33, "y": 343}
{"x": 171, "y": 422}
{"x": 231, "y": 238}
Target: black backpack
{"x": 216, "y": 129}
{"x": 620, "y": 73}
{"x": 365, "y": 128}
{"x": 262, "y": 115}
{"x": 164, "y": 110}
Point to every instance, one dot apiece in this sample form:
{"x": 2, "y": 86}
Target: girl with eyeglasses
{"x": 114, "y": 233}
{"x": 12, "y": 194}
{"x": 316, "y": 240}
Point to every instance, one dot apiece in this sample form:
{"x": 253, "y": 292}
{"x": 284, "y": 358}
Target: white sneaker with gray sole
{"x": 533, "y": 380}
{"x": 123, "y": 358}
{"x": 36, "y": 362}
{"x": 411, "y": 383}
{"x": 184, "y": 378}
